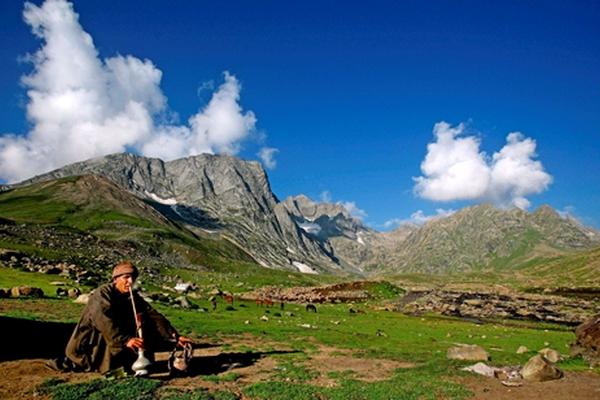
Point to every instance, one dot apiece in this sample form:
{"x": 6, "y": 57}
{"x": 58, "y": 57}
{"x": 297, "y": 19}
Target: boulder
{"x": 522, "y": 349}
{"x": 539, "y": 369}
{"x": 4, "y": 293}
{"x": 26, "y": 291}
{"x": 82, "y": 298}
{"x": 551, "y": 355}
{"x": 468, "y": 352}
{"x": 73, "y": 293}
{"x": 61, "y": 292}
{"x": 588, "y": 340}
{"x": 183, "y": 302}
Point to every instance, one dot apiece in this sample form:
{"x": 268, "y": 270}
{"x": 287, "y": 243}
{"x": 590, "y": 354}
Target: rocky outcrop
{"x": 481, "y": 306}
{"x": 338, "y": 293}
{"x": 587, "y": 343}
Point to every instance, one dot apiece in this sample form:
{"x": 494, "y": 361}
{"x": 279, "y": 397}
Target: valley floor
{"x": 215, "y": 367}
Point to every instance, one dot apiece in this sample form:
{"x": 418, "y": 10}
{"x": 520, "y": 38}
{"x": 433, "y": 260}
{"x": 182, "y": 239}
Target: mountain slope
{"x": 220, "y": 194}
{"x": 94, "y": 223}
{"x": 483, "y": 236}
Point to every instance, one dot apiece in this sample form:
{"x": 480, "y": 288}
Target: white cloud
{"x": 349, "y": 206}
{"x": 267, "y": 155}
{"x": 82, "y": 107}
{"x": 418, "y": 218}
{"x": 455, "y": 169}
{"x": 353, "y": 209}
{"x": 325, "y": 196}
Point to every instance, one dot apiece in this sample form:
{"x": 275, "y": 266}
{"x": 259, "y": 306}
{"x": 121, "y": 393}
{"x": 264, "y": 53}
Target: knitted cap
{"x": 123, "y": 268}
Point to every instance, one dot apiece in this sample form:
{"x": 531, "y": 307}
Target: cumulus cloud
{"x": 417, "y": 218}
{"x": 267, "y": 155}
{"x": 455, "y": 169}
{"x": 81, "y": 106}
{"x": 353, "y": 209}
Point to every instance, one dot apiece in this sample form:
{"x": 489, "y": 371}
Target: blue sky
{"x": 349, "y": 93}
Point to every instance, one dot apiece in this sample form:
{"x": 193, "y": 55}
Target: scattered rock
{"x": 26, "y": 291}
{"x": 538, "y": 369}
{"x": 264, "y": 318}
{"x": 82, "y": 299}
{"x": 481, "y": 369}
{"x": 4, "y": 293}
{"x": 73, "y": 293}
{"x": 522, "y": 350}
{"x": 468, "y": 352}
{"x": 183, "y": 302}
{"x": 551, "y": 355}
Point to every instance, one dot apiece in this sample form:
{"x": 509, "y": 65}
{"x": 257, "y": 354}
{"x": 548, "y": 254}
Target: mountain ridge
{"x": 232, "y": 198}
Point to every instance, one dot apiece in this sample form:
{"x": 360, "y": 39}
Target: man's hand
{"x": 135, "y": 343}
{"x": 182, "y": 341}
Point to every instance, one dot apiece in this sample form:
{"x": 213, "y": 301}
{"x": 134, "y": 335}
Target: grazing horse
{"x": 266, "y": 301}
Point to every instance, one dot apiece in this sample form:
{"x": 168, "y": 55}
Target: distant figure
{"x": 281, "y": 305}
{"x": 228, "y": 298}
{"x": 268, "y": 302}
{"x": 106, "y": 336}
{"x": 311, "y": 307}
{"x": 213, "y": 302}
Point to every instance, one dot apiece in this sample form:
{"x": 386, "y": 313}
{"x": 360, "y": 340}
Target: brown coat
{"x": 107, "y": 323}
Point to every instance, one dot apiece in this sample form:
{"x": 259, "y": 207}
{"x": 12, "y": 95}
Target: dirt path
{"x": 574, "y": 386}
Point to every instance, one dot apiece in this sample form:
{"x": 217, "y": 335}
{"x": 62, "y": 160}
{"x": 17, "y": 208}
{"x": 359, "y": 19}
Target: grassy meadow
{"x": 291, "y": 337}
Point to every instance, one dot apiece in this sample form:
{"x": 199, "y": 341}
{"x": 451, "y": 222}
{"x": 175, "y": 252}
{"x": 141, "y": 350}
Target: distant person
{"x": 106, "y": 336}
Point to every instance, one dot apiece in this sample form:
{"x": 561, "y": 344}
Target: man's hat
{"x": 125, "y": 267}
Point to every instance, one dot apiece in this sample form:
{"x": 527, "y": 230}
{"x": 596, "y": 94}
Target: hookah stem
{"x": 138, "y": 325}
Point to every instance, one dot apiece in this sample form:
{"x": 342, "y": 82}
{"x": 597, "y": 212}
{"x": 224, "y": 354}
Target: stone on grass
{"x": 82, "y": 299}
{"x": 522, "y": 349}
{"x": 469, "y": 352}
{"x": 551, "y": 355}
{"x": 26, "y": 291}
{"x": 538, "y": 369}
{"x": 481, "y": 369}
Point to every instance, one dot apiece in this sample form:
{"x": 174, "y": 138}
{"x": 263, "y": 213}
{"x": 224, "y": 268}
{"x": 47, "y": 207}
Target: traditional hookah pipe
{"x": 142, "y": 363}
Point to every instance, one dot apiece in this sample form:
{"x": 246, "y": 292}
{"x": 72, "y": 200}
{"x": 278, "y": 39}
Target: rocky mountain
{"x": 223, "y": 197}
{"x": 220, "y": 195}
{"x": 353, "y": 242}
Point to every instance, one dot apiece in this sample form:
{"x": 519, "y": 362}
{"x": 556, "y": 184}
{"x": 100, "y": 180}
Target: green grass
{"x": 10, "y": 277}
{"x": 424, "y": 382}
{"x": 101, "y": 389}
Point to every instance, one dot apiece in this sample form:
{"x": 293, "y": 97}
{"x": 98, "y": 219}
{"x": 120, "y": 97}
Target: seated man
{"x": 105, "y": 337}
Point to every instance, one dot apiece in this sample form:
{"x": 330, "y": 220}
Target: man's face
{"x": 124, "y": 282}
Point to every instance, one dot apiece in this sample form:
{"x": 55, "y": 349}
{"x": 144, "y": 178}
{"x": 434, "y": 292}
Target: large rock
{"x": 26, "y": 291}
{"x": 468, "y": 352}
{"x": 550, "y": 355}
{"x": 539, "y": 369}
{"x": 588, "y": 340}
{"x": 82, "y": 299}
